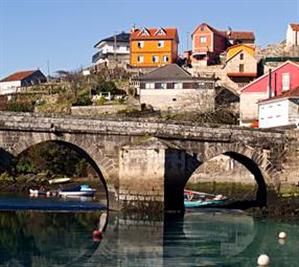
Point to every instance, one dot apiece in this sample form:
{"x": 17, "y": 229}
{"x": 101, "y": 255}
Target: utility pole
{"x": 115, "y": 46}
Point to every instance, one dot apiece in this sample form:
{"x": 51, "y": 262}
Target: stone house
{"x": 172, "y": 88}
{"x": 241, "y": 64}
{"x": 208, "y": 43}
{"x": 153, "y": 47}
{"x": 113, "y": 49}
{"x": 280, "y": 111}
{"x": 18, "y": 80}
{"x": 283, "y": 78}
{"x": 292, "y": 36}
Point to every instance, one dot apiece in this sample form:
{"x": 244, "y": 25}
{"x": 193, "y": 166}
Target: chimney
{"x": 270, "y": 83}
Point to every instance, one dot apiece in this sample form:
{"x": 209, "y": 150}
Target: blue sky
{"x": 63, "y": 32}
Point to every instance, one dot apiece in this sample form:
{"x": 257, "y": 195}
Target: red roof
{"x": 236, "y": 35}
{"x": 170, "y": 33}
{"x": 242, "y": 74}
{"x": 287, "y": 94}
{"x": 295, "y": 27}
{"x": 18, "y": 76}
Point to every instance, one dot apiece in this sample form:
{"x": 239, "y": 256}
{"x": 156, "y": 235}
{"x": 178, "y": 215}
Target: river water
{"x": 199, "y": 238}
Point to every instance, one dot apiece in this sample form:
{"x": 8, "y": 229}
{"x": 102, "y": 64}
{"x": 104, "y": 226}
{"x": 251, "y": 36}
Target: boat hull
{"x": 77, "y": 193}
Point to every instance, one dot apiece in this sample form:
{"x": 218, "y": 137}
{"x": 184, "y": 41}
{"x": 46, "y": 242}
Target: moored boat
{"x": 59, "y": 180}
{"x": 194, "y": 199}
{"x": 80, "y": 190}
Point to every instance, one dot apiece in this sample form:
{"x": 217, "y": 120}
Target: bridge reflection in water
{"x": 195, "y": 239}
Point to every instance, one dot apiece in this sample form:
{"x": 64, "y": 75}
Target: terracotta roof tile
{"x": 236, "y": 35}
{"x": 287, "y": 94}
{"x": 295, "y": 27}
{"x": 17, "y": 76}
{"x": 171, "y": 33}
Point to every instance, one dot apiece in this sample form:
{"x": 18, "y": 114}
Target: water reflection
{"x": 30, "y": 238}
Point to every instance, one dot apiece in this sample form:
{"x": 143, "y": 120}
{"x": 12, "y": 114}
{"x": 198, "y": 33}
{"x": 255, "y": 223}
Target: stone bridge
{"x": 145, "y": 163}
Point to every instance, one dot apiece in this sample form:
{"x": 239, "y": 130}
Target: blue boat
{"x": 80, "y": 190}
{"x": 194, "y": 199}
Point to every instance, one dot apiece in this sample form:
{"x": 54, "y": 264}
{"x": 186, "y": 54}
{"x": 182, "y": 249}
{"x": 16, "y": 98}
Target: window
{"x": 155, "y": 59}
{"x": 149, "y": 86}
{"x": 160, "y": 43}
{"x": 165, "y": 58}
{"x": 140, "y": 44}
{"x": 241, "y": 56}
{"x": 241, "y": 68}
{"x": 178, "y": 85}
{"x": 202, "y": 39}
{"x": 139, "y": 59}
{"x": 163, "y": 86}
{"x": 285, "y": 81}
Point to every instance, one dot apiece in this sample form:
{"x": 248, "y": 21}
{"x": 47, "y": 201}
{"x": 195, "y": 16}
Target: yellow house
{"x": 153, "y": 47}
{"x": 235, "y": 49}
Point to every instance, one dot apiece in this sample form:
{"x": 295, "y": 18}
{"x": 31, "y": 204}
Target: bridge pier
{"x": 150, "y": 176}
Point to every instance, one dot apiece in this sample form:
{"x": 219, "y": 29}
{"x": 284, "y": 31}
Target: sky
{"x": 61, "y": 33}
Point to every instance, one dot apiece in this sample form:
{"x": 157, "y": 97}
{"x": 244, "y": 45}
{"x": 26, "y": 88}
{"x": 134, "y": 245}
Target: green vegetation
{"x": 50, "y": 159}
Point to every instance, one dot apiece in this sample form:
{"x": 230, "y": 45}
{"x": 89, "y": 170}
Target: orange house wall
{"x": 151, "y": 49}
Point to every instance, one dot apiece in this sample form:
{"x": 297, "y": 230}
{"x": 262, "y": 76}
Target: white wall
{"x": 292, "y": 38}
{"x": 108, "y": 47}
{"x": 273, "y": 114}
{"x": 249, "y": 106}
{"x": 9, "y": 87}
{"x": 179, "y": 99}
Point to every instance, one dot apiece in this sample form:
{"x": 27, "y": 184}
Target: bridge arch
{"x": 255, "y": 161}
{"x": 87, "y": 148}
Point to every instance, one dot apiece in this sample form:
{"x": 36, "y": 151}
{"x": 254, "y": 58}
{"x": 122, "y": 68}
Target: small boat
{"x": 59, "y": 180}
{"x": 80, "y": 190}
{"x": 35, "y": 192}
{"x": 194, "y": 199}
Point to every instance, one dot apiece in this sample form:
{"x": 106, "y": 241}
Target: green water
{"x": 210, "y": 238}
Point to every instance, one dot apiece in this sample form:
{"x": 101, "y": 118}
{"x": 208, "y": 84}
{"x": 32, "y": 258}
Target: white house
{"x": 116, "y": 47}
{"x": 12, "y": 83}
{"x": 293, "y": 35}
{"x": 171, "y": 87}
{"x": 280, "y": 111}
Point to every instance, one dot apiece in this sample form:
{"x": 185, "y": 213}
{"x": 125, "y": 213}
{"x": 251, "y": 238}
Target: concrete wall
{"x": 9, "y": 87}
{"x": 179, "y": 99}
{"x": 274, "y": 114}
{"x": 249, "y": 62}
{"x": 249, "y": 106}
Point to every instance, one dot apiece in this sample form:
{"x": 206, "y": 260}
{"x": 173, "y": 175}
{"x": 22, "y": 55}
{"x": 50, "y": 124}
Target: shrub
{"x": 83, "y": 100}
{"x": 17, "y": 106}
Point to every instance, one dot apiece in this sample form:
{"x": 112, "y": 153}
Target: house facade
{"x": 280, "y": 111}
{"x": 172, "y": 88}
{"x": 153, "y": 47}
{"x": 114, "y": 48}
{"x": 208, "y": 43}
{"x": 292, "y": 36}
{"x": 241, "y": 64}
{"x": 14, "y": 82}
{"x": 283, "y": 78}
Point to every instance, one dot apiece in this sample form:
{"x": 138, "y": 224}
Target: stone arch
{"x": 257, "y": 156}
{"x": 103, "y": 165}
{"x": 255, "y": 161}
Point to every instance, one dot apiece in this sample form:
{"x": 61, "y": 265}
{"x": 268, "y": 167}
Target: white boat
{"x": 81, "y": 190}
{"x": 59, "y": 180}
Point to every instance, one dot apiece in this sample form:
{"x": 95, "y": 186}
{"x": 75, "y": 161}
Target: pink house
{"x": 283, "y": 78}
